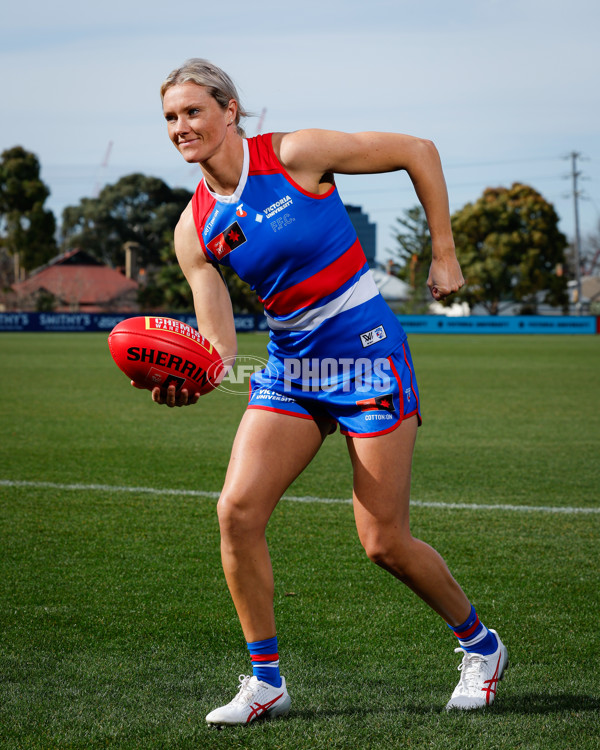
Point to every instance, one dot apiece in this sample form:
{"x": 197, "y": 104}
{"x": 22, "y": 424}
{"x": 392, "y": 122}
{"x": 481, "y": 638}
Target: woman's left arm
{"x": 308, "y": 155}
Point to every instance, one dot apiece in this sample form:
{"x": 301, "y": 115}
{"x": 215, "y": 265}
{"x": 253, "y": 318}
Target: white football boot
{"x": 255, "y": 699}
{"x": 479, "y": 678}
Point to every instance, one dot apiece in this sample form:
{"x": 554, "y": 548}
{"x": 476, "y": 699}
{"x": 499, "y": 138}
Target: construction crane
{"x": 261, "y": 121}
{"x": 103, "y": 167}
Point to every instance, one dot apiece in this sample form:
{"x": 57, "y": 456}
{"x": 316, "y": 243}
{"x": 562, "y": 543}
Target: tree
{"x": 414, "y": 256}
{"x": 168, "y": 289}
{"x": 143, "y": 210}
{"x": 590, "y": 255}
{"x": 511, "y": 250}
{"x": 243, "y": 299}
{"x": 137, "y": 208}
{"x": 26, "y": 227}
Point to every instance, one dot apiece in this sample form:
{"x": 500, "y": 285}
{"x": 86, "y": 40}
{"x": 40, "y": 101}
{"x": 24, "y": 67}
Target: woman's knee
{"x": 390, "y": 551}
{"x": 239, "y": 516}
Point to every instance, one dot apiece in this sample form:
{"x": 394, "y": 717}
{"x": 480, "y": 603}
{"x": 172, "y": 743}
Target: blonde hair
{"x": 204, "y": 73}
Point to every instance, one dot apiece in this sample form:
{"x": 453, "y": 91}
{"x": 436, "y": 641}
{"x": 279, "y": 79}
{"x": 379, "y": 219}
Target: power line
{"x": 452, "y": 186}
{"x": 499, "y": 163}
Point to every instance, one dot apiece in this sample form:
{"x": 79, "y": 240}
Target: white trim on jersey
{"x": 364, "y": 290}
{"x": 235, "y": 198}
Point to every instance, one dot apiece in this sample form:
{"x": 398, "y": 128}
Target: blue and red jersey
{"x": 300, "y": 253}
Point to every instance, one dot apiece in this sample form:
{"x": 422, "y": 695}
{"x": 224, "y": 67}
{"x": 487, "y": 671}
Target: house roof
{"x": 391, "y": 287}
{"x": 76, "y": 278}
{"x": 590, "y": 287}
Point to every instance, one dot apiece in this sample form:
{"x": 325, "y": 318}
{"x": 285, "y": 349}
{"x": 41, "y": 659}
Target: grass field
{"x": 117, "y": 630}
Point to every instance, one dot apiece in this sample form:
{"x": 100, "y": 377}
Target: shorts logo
{"x": 373, "y": 336}
{"x": 379, "y": 403}
{"x": 227, "y": 241}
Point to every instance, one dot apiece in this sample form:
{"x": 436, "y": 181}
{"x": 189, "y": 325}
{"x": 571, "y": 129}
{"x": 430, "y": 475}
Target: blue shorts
{"x": 372, "y": 403}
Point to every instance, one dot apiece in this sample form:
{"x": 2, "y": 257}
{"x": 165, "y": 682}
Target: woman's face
{"x": 196, "y": 122}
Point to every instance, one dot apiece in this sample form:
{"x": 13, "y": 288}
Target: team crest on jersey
{"x": 379, "y": 403}
{"x": 227, "y": 241}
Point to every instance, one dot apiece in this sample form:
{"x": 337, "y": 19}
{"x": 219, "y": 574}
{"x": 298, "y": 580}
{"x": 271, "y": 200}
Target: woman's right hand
{"x": 170, "y": 396}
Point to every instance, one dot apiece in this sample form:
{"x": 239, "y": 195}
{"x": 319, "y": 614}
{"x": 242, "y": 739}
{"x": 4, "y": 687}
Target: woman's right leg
{"x": 270, "y": 450}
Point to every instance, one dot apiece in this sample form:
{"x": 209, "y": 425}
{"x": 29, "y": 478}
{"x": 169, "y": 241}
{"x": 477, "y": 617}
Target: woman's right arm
{"x": 212, "y": 302}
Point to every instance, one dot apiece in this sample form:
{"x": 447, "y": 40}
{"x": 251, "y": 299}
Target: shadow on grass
{"x": 545, "y": 703}
{"x": 528, "y": 704}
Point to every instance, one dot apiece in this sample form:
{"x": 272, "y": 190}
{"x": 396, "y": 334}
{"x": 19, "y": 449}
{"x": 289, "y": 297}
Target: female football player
{"x": 268, "y": 208}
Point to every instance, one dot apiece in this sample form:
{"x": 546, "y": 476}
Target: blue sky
{"x": 505, "y": 88}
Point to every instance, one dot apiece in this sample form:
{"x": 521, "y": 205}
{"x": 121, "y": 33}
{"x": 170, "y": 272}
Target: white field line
{"x": 292, "y": 498}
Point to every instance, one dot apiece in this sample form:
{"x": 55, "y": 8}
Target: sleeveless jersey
{"x": 300, "y": 253}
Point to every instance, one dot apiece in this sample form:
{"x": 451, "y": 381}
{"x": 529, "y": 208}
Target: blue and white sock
{"x": 474, "y": 637}
{"x": 265, "y": 661}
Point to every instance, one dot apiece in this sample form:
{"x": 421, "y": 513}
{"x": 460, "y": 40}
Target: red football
{"x": 155, "y": 351}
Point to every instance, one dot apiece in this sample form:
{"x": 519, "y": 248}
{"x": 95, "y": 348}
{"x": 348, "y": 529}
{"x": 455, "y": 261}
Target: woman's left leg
{"x": 382, "y": 473}
{"x": 382, "y": 467}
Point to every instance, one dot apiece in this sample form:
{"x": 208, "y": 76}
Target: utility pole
{"x": 575, "y": 174}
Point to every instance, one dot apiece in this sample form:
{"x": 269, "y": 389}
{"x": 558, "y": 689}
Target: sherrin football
{"x": 155, "y": 351}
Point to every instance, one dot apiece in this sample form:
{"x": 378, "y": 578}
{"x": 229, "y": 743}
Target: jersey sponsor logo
{"x": 227, "y": 241}
{"x": 239, "y": 211}
{"x": 278, "y": 206}
{"x": 373, "y": 336}
{"x": 378, "y": 403}
{"x": 209, "y": 226}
